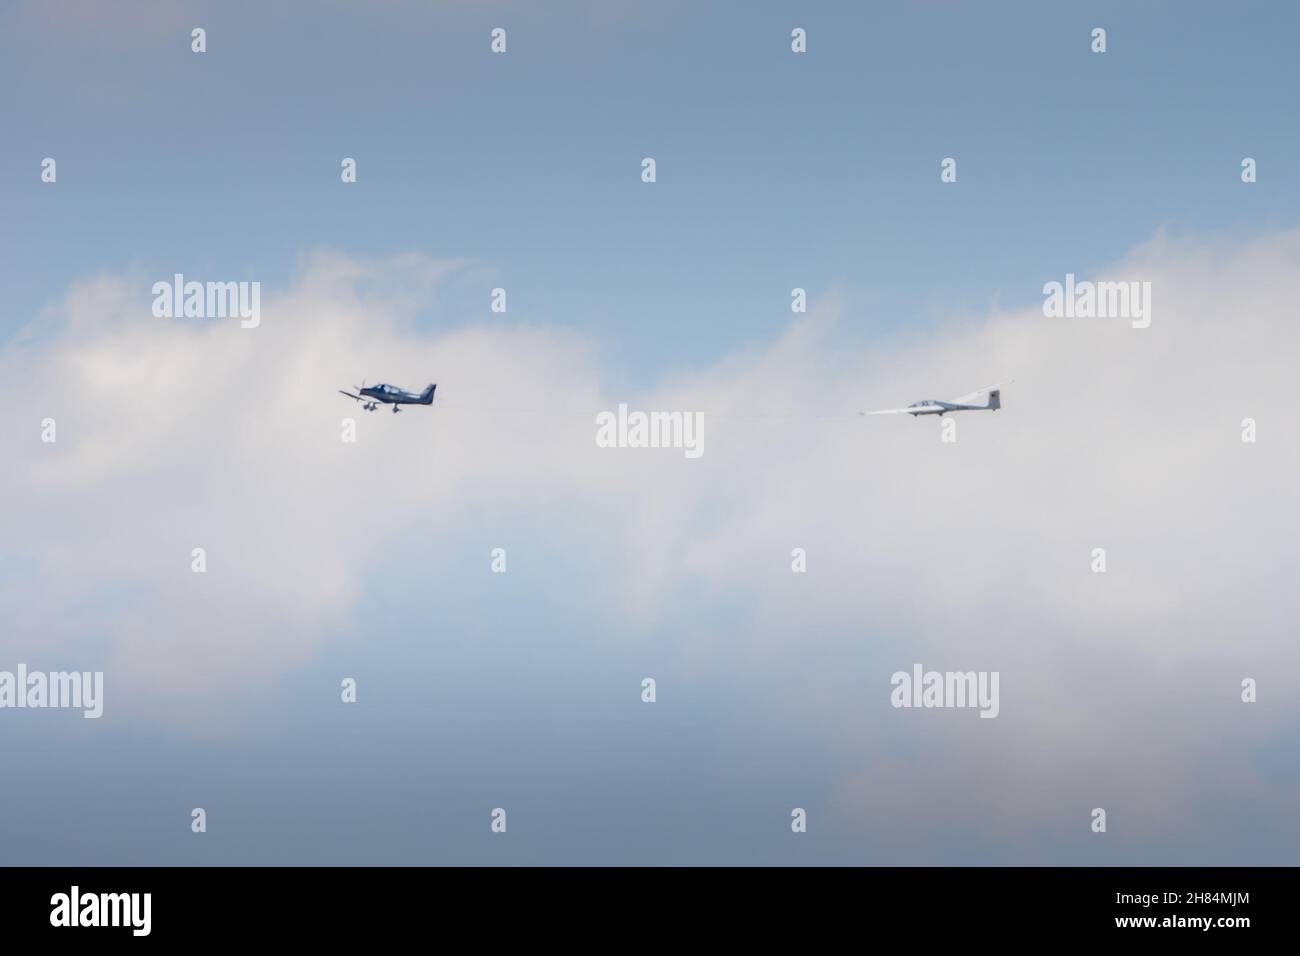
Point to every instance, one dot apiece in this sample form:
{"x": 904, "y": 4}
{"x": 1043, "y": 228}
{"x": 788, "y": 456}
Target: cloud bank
{"x": 1118, "y": 690}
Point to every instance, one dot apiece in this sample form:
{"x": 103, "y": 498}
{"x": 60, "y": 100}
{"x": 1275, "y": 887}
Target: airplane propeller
{"x": 366, "y": 403}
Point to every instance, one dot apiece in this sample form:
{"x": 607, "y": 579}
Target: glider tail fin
{"x": 995, "y": 399}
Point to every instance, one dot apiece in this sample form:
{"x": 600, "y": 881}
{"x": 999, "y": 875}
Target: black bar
{"x": 536, "y": 905}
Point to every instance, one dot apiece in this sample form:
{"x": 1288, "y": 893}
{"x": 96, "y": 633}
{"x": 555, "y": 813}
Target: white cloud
{"x": 176, "y": 434}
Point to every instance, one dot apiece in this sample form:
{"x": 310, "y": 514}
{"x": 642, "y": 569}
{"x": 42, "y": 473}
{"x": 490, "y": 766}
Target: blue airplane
{"x": 933, "y": 406}
{"x": 377, "y": 395}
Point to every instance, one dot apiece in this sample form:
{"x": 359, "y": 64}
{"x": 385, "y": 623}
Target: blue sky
{"x": 522, "y": 690}
{"x": 775, "y": 170}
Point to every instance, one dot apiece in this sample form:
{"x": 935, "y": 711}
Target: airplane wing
{"x": 966, "y": 399}
{"x": 350, "y": 395}
{"x": 900, "y": 411}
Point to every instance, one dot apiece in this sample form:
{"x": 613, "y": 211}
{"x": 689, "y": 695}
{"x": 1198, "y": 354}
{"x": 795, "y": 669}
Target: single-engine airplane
{"x": 377, "y": 395}
{"x": 935, "y": 407}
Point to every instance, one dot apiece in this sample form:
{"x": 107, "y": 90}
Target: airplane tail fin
{"x": 995, "y": 399}
{"x": 426, "y": 397}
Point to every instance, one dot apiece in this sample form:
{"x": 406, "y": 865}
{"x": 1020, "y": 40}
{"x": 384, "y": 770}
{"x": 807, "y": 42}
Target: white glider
{"x": 932, "y": 406}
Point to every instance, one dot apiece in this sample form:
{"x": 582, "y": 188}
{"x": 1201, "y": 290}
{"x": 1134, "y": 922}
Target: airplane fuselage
{"x": 942, "y": 408}
{"x": 394, "y": 396}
